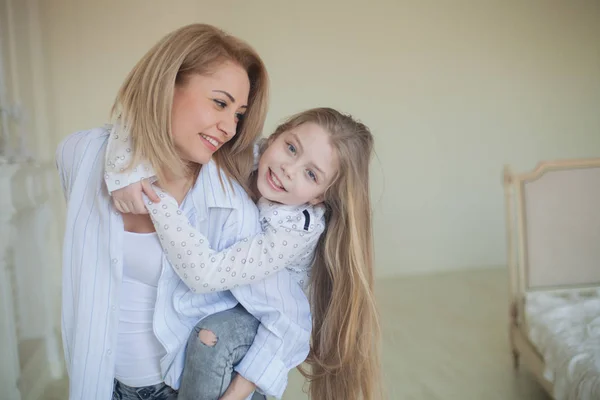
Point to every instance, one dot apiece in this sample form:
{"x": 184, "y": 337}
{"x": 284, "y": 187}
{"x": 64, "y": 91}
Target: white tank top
{"x": 138, "y": 350}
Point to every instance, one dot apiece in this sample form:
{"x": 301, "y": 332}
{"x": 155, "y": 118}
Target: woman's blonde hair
{"x": 344, "y": 359}
{"x": 143, "y": 104}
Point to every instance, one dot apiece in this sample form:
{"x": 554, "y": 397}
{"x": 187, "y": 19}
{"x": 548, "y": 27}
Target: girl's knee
{"x": 208, "y": 337}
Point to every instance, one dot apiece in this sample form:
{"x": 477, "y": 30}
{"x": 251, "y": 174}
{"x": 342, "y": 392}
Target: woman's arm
{"x": 282, "y": 341}
{"x": 283, "y": 242}
{"x": 78, "y": 159}
{"x": 239, "y": 389}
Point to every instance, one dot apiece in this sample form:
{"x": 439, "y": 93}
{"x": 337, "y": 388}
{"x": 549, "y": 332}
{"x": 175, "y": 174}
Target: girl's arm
{"x": 288, "y": 236}
{"x": 119, "y": 152}
{"x": 290, "y": 233}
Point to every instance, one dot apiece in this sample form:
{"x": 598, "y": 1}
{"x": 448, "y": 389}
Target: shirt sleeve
{"x": 286, "y": 238}
{"x": 75, "y": 158}
{"x": 67, "y": 160}
{"x": 282, "y": 341}
{"x": 71, "y": 152}
{"x": 119, "y": 154}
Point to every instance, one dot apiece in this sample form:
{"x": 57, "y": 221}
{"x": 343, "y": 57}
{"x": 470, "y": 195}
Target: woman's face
{"x": 206, "y": 111}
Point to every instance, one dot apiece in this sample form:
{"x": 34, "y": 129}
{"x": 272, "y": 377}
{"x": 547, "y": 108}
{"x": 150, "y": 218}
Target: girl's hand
{"x": 130, "y": 200}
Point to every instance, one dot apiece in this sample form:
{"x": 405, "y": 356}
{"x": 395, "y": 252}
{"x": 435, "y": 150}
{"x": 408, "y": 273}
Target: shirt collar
{"x": 211, "y": 192}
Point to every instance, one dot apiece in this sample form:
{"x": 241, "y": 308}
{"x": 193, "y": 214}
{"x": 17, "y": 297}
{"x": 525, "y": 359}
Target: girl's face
{"x": 298, "y": 166}
{"x": 206, "y": 111}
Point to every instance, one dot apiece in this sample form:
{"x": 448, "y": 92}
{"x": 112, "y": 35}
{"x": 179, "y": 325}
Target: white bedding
{"x": 565, "y": 328}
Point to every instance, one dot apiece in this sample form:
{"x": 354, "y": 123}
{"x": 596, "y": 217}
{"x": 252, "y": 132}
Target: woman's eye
{"x": 220, "y": 103}
{"x": 312, "y": 175}
{"x": 292, "y": 148}
{"x": 240, "y": 116}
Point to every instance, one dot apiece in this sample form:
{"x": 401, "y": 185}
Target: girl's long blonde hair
{"x": 344, "y": 359}
{"x": 143, "y": 104}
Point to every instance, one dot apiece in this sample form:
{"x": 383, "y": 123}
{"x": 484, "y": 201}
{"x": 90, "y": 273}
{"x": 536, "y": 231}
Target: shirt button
{"x": 114, "y": 260}
{"x": 113, "y": 308}
{"x": 109, "y": 352}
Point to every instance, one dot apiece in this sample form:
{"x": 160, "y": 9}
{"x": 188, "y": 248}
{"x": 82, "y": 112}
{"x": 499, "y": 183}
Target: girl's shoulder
{"x": 305, "y": 217}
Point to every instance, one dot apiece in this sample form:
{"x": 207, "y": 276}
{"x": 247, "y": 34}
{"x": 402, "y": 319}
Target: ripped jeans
{"x": 208, "y": 369}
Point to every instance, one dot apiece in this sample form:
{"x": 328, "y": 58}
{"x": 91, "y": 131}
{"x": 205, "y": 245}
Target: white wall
{"x": 24, "y": 80}
{"x": 452, "y": 91}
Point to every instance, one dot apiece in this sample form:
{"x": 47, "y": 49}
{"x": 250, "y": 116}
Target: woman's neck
{"x": 178, "y": 186}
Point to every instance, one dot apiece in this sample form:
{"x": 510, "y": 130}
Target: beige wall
{"x": 452, "y": 91}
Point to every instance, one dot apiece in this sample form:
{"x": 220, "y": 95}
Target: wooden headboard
{"x": 553, "y": 225}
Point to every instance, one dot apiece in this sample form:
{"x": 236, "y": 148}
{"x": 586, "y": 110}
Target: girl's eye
{"x": 240, "y": 116}
{"x": 220, "y": 103}
{"x": 312, "y": 175}
{"x": 292, "y": 148}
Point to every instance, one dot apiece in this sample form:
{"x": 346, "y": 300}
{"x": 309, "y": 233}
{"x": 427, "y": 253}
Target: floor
{"x": 444, "y": 337}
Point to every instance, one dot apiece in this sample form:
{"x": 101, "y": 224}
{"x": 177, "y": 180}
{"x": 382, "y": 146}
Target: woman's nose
{"x": 228, "y": 126}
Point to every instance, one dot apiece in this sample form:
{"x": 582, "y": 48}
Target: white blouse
{"x": 138, "y": 355}
{"x": 289, "y": 238}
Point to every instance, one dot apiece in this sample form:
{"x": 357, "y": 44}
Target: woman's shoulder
{"x": 81, "y": 144}
{"x": 79, "y": 154}
{"x": 87, "y": 134}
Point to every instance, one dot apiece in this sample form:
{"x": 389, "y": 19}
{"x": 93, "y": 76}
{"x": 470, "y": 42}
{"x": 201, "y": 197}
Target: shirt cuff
{"x": 116, "y": 181}
{"x": 265, "y": 370}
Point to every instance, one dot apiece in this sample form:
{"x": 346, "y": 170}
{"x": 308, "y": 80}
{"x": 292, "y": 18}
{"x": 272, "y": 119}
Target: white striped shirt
{"x": 93, "y": 271}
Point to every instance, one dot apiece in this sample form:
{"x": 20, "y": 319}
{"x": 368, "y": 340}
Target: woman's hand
{"x": 130, "y": 200}
{"x": 239, "y": 389}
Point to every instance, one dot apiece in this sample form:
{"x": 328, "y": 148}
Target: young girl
{"x": 312, "y": 180}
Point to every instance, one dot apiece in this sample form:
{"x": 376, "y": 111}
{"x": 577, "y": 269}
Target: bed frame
{"x": 553, "y": 241}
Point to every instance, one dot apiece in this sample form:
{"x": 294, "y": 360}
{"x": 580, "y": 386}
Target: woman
{"x": 197, "y": 94}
